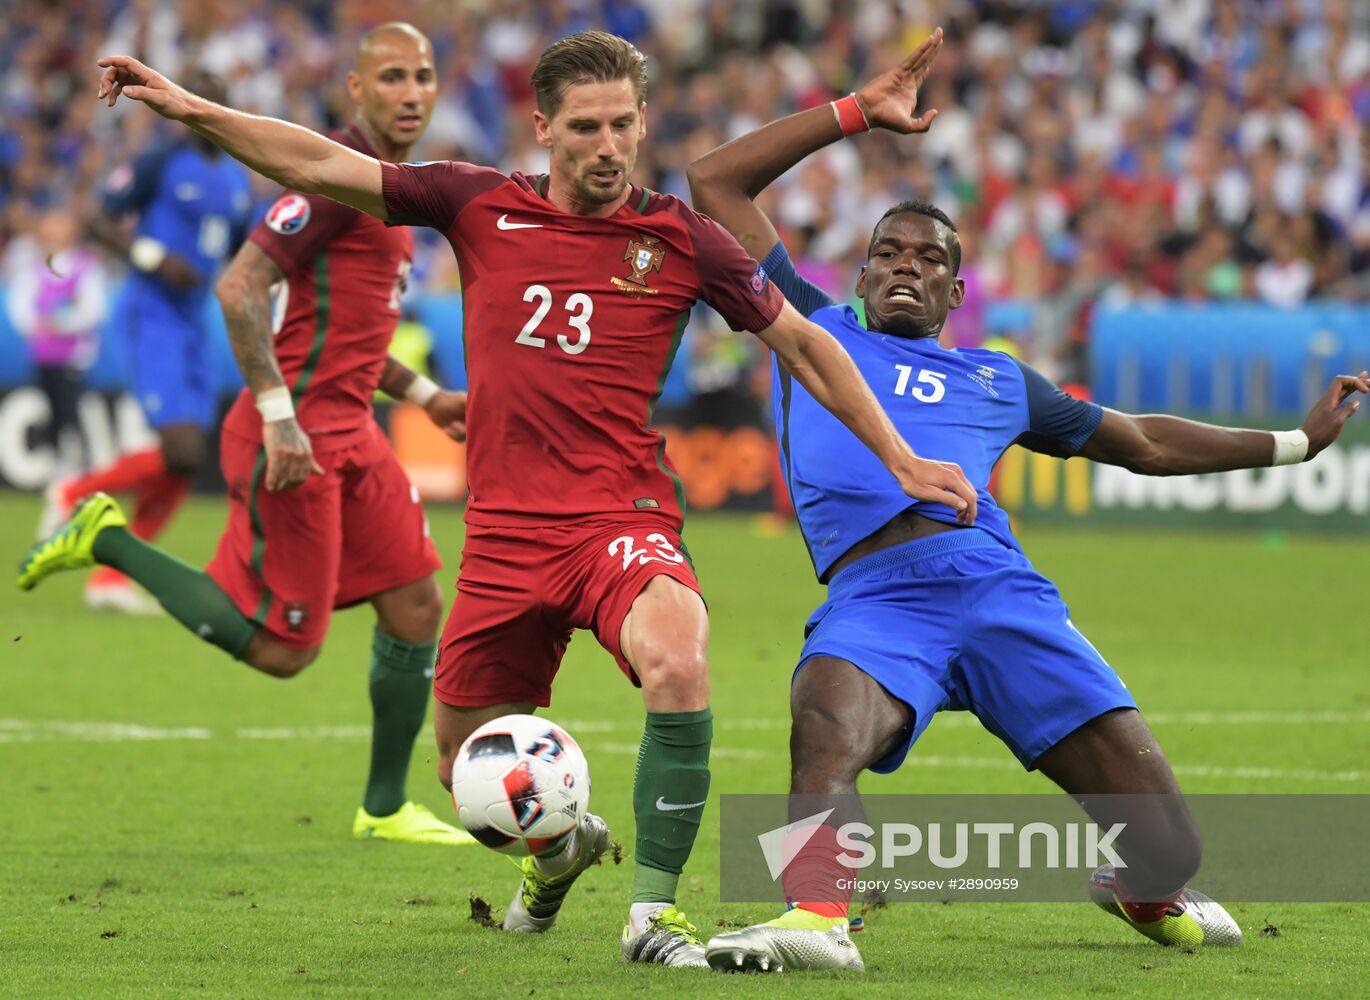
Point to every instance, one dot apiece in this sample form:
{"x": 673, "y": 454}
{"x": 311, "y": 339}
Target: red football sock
{"x": 815, "y": 878}
{"x": 158, "y": 499}
{"x": 1143, "y": 911}
{"x": 124, "y": 475}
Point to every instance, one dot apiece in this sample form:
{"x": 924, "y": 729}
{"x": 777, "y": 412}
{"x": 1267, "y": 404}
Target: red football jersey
{"x": 336, "y": 311}
{"x": 571, "y": 324}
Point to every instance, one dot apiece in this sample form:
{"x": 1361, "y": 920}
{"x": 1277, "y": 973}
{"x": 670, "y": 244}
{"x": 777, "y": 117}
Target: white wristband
{"x": 1290, "y": 447}
{"x": 274, "y": 404}
{"x": 146, "y": 254}
{"x": 421, "y": 390}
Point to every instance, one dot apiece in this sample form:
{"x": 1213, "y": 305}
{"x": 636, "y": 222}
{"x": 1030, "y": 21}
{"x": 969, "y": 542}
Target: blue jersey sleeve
{"x": 132, "y": 186}
{"x": 803, "y": 294}
{"x": 1058, "y": 423}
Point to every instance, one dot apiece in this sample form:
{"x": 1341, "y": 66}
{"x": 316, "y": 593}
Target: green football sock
{"x": 189, "y": 595}
{"x": 401, "y": 679}
{"x": 669, "y": 793}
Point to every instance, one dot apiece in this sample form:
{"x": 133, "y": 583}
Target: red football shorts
{"x": 522, "y": 591}
{"x": 288, "y": 559}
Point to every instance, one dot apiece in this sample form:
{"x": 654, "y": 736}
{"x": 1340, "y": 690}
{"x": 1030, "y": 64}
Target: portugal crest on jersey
{"x": 643, "y": 255}
{"x": 289, "y": 215}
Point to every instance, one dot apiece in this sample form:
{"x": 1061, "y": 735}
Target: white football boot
{"x": 1193, "y": 919}
{"x": 796, "y": 941}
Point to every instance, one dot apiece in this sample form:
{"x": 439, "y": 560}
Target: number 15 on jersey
{"x": 929, "y": 386}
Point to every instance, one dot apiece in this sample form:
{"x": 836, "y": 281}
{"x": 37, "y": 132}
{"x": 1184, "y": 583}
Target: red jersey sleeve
{"x": 729, "y": 279}
{"x": 298, "y": 226}
{"x": 433, "y": 194}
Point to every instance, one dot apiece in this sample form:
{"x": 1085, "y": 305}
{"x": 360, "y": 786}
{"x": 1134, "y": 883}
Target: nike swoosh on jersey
{"x": 504, "y": 223}
{"x": 665, "y": 806}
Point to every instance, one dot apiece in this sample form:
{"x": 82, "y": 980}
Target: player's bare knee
{"x": 679, "y": 676}
{"x": 412, "y": 613}
{"x": 278, "y": 660}
{"x": 426, "y": 611}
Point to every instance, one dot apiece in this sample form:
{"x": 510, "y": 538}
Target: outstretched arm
{"x": 724, "y": 182}
{"x": 814, "y": 359}
{"x": 292, "y": 156}
{"x": 1158, "y": 445}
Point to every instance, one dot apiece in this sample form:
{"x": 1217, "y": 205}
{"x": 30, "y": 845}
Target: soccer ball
{"x": 520, "y": 784}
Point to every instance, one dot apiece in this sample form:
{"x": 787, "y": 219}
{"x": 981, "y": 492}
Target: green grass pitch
{"x": 177, "y": 825}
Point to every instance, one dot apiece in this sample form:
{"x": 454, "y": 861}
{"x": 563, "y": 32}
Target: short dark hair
{"x": 932, "y": 212}
{"x": 587, "y": 57}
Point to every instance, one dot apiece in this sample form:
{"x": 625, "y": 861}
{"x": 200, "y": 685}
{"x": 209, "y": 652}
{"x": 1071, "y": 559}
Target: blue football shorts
{"x": 167, "y": 350}
{"x": 959, "y": 621}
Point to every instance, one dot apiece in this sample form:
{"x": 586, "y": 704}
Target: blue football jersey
{"x": 964, "y": 405}
{"x": 193, "y": 203}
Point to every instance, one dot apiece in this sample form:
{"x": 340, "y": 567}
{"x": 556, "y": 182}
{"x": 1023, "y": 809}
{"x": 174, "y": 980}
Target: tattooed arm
{"x": 245, "y": 295}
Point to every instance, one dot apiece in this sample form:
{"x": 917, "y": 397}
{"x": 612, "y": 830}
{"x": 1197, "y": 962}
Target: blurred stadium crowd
{"x": 1114, "y": 152}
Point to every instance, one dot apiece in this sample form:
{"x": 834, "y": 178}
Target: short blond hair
{"x": 587, "y": 57}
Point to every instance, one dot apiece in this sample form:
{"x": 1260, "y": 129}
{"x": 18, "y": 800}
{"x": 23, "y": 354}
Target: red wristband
{"x": 850, "y": 116}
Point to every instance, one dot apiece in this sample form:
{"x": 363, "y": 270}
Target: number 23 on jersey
{"x": 578, "y": 308}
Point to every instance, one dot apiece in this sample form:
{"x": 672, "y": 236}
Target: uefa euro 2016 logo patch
{"x": 758, "y": 281}
{"x": 289, "y": 215}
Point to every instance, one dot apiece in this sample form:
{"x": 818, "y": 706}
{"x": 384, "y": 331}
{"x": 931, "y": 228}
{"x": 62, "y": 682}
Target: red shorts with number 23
{"x": 522, "y": 591}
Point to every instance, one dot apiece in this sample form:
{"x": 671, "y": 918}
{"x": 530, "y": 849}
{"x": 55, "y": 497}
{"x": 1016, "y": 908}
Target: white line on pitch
{"x": 961, "y": 720}
{"x": 29, "y": 731}
{"x": 1006, "y": 762}
{"x": 24, "y": 731}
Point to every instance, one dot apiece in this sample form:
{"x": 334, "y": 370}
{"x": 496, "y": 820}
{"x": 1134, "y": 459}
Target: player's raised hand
{"x": 131, "y": 78}
{"x": 1329, "y": 414}
{"x": 890, "y": 99}
{"x": 447, "y": 409}
{"x": 940, "y": 482}
{"x": 289, "y": 455}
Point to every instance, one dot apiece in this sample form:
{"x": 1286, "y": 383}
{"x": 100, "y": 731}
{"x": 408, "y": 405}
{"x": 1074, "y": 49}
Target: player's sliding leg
{"x": 1116, "y": 755}
{"x": 665, "y": 638}
{"x": 548, "y": 878}
{"x": 97, "y": 533}
{"x": 403, "y": 648}
{"x": 843, "y": 721}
